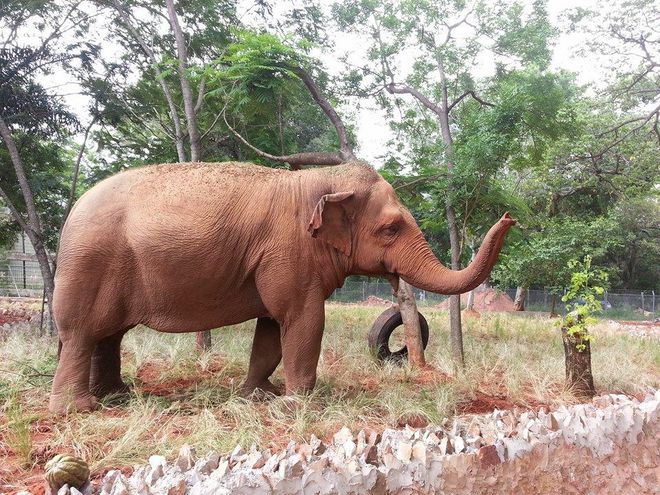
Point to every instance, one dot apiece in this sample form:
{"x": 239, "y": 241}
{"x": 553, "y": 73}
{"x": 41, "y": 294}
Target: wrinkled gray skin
{"x": 191, "y": 247}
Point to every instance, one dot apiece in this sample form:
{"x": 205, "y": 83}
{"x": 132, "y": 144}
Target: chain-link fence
{"x": 23, "y": 279}
{"x": 620, "y": 305}
{"x": 20, "y": 279}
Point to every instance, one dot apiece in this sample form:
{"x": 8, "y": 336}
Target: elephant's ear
{"x": 330, "y": 221}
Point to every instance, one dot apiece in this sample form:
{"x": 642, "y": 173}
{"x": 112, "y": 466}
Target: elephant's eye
{"x": 390, "y": 230}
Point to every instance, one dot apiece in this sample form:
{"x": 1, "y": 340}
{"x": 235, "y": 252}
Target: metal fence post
{"x": 642, "y": 293}
{"x": 653, "y": 302}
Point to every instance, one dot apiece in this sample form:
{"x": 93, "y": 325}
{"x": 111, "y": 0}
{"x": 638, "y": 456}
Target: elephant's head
{"x": 364, "y": 220}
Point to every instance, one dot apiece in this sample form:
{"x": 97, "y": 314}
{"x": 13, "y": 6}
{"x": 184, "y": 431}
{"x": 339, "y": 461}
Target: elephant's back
{"x": 154, "y": 191}
{"x": 147, "y": 209}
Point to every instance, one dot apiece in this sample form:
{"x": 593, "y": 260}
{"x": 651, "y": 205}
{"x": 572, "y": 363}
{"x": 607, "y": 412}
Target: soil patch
{"x": 483, "y": 403}
{"x": 485, "y": 300}
{"x": 377, "y": 301}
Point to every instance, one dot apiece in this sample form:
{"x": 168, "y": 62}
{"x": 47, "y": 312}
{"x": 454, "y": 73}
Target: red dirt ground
{"x": 13, "y": 316}
{"x": 377, "y": 301}
{"x": 485, "y": 300}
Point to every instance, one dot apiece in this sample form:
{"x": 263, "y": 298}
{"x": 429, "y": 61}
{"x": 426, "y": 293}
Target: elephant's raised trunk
{"x": 423, "y": 270}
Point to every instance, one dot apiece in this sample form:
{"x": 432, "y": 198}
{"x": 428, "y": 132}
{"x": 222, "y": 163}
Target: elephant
{"x": 194, "y": 246}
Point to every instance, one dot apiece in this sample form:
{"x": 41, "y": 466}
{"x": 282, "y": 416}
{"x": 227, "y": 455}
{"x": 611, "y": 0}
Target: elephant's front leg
{"x": 302, "y": 333}
{"x": 266, "y": 355}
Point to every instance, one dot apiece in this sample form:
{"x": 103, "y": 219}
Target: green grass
{"x": 182, "y": 397}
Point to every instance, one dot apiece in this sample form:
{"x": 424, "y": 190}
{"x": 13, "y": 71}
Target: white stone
{"x": 154, "y": 474}
{"x": 186, "y": 458}
{"x": 404, "y": 451}
{"x": 419, "y": 452}
{"x": 516, "y": 447}
{"x": 458, "y": 444}
{"x": 157, "y": 460}
{"x": 342, "y": 436}
{"x": 236, "y": 454}
{"x": 350, "y": 448}
{"x": 222, "y": 469}
{"x": 255, "y": 460}
{"x": 208, "y": 464}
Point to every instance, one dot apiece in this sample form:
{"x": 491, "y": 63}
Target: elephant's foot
{"x": 64, "y": 404}
{"x": 102, "y": 389}
{"x": 259, "y": 390}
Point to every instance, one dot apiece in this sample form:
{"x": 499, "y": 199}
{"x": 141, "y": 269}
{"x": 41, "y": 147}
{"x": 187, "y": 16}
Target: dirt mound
{"x": 16, "y": 310}
{"x": 11, "y": 316}
{"x": 485, "y": 300}
{"x": 377, "y": 301}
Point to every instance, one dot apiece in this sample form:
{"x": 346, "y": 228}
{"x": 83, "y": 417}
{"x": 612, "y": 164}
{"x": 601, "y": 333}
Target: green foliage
{"x": 583, "y": 296}
{"x": 47, "y": 165}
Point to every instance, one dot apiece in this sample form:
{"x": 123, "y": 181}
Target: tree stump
{"x": 203, "y": 340}
{"x": 579, "y": 378}
{"x": 409, "y": 315}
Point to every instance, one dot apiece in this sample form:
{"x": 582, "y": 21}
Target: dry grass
{"x": 181, "y": 397}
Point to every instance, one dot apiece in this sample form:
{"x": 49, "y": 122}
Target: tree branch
{"x": 174, "y": 115}
{"x": 200, "y": 96}
{"x": 14, "y": 211}
{"x": 76, "y": 170}
{"x": 345, "y": 149}
{"x": 469, "y": 93}
{"x": 296, "y": 160}
{"x": 33, "y": 217}
{"x": 397, "y": 88}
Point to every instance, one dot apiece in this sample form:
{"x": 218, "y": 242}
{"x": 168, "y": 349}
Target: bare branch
{"x": 345, "y": 149}
{"x": 397, "y": 88}
{"x": 200, "y": 95}
{"x": 644, "y": 118}
{"x": 76, "y": 170}
{"x": 469, "y": 93}
{"x": 174, "y": 115}
{"x": 215, "y": 121}
{"x": 296, "y": 160}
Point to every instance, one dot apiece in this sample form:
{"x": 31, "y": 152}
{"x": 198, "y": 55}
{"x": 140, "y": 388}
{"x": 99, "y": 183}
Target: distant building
{"x": 19, "y": 269}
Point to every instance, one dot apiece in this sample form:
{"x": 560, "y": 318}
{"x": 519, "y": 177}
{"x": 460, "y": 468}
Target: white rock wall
{"x": 611, "y": 446}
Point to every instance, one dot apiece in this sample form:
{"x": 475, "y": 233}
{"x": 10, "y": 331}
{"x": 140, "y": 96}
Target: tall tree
{"x": 32, "y": 118}
{"x": 449, "y": 37}
{"x": 179, "y": 52}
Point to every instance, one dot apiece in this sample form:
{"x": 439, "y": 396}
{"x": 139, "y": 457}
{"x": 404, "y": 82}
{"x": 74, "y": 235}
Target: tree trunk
{"x": 31, "y": 226}
{"x": 521, "y": 298}
{"x": 408, "y": 307}
{"x": 456, "y": 331}
{"x": 174, "y": 114}
{"x": 186, "y": 91}
{"x": 579, "y": 378}
{"x": 469, "y": 305}
{"x": 203, "y": 340}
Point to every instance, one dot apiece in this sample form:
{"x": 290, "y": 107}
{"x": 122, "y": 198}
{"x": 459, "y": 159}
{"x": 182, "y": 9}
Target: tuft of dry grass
{"x": 180, "y": 396}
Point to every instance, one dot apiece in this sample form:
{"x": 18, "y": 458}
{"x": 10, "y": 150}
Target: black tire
{"x": 381, "y": 330}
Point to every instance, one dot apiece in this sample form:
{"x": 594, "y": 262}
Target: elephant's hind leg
{"x": 71, "y": 384}
{"x": 266, "y": 355}
{"x": 105, "y": 375}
